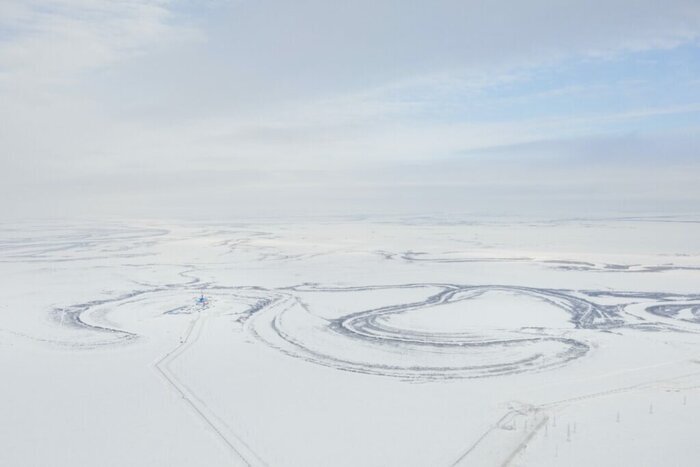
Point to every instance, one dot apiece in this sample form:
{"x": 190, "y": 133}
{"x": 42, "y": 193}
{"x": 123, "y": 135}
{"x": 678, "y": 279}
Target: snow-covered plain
{"x": 351, "y": 343}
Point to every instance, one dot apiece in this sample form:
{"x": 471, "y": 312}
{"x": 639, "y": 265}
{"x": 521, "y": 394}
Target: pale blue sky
{"x": 237, "y": 108}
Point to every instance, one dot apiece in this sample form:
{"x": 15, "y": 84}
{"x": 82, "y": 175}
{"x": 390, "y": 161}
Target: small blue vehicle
{"x": 202, "y": 300}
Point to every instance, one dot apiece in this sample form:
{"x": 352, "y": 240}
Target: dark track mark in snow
{"x": 365, "y": 342}
{"x": 58, "y": 245}
{"x": 73, "y": 316}
{"x": 676, "y": 311}
{"x": 423, "y": 256}
{"x": 558, "y": 264}
{"x": 368, "y": 342}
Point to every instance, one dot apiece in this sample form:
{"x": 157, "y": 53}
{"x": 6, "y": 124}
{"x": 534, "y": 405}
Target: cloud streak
{"x": 277, "y": 104}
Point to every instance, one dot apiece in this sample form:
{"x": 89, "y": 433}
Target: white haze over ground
{"x": 368, "y": 233}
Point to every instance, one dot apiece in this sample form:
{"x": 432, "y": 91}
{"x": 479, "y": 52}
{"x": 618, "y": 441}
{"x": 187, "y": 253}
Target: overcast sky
{"x": 223, "y": 109}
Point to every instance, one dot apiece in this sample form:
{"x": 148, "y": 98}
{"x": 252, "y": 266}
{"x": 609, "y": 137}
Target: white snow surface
{"x": 351, "y": 343}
